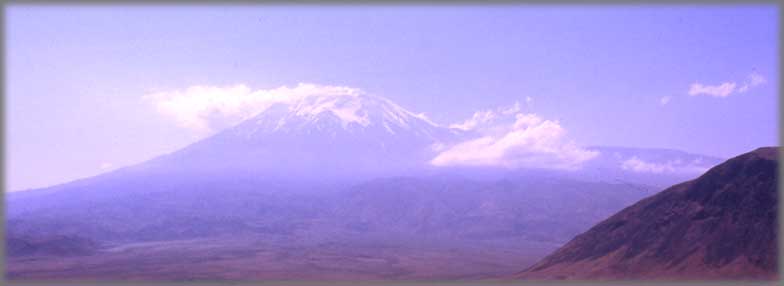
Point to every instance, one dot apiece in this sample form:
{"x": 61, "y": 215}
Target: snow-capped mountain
{"x": 348, "y": 134}
{"x": 358, "y": 114}
{"x": 351, "y": 134}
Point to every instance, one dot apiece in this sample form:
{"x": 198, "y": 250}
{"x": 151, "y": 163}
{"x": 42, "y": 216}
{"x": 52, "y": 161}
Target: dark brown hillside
{"x": 721, "y": 225}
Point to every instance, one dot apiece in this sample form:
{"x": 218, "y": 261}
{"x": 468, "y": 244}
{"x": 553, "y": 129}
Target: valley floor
{"x": 278, "y": 257}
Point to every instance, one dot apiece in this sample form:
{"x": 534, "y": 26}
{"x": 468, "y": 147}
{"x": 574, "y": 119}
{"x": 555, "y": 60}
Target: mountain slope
{"x": 721, "y": 225}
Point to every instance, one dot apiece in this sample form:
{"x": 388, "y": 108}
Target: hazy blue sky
{"x": 611, "y": 75}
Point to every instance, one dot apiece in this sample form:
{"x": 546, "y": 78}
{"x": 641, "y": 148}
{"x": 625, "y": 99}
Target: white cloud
{"x": 482, "y": 119}
{"x": 756, "y": 79}
{"x": 664, "y": 100}
{"x": 722, "y": 90}
{"x": 208, "y": 108}
{"x": 438, "y": 146}
{"x": 638, "y": 165}
{"x": 727, "y": 88}
{"x": 512, "y": 109}
{"x": 479, "y": 117}
{"x": 528, "y": 142}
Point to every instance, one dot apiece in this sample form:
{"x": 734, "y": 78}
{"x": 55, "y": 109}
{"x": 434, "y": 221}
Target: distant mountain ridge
{"x": 722, "y": 225}
{"x": 648, "y": 166}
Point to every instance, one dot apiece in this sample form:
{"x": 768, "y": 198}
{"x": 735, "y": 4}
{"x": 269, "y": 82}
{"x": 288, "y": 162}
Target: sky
{"x": 698, "y": 78}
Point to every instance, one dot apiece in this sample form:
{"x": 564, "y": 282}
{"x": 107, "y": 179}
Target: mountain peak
{"x": 347, "y": 110}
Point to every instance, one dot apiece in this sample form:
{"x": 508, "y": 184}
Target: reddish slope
{"x": 721, "y": 225}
